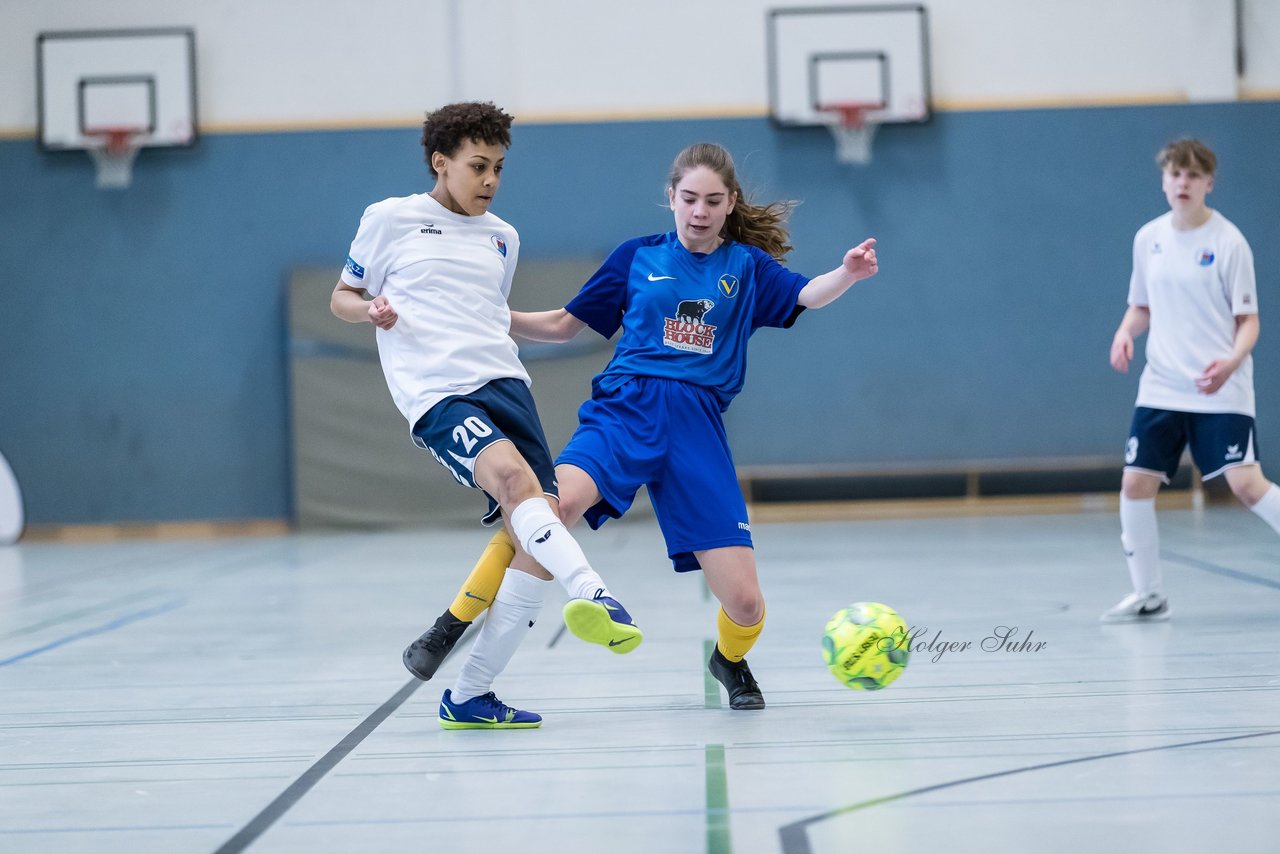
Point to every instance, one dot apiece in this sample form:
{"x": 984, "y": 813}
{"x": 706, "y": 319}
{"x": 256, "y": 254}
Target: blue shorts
{"x": 1218, "y": 440}
{"x": 458, "y": 428}
{"x": 668, "y": 436}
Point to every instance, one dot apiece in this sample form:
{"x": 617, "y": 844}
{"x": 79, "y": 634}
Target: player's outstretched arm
{"x": 859, "y": 263}
{"x": 1135, "y": 322}
{"x": 554, "y": 327}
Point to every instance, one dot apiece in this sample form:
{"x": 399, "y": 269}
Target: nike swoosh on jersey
{"x": 654, "y": 278}
{"x": 469, "y": 595}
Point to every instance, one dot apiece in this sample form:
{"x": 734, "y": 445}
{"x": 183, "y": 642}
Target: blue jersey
{"x": 684, "y": 315}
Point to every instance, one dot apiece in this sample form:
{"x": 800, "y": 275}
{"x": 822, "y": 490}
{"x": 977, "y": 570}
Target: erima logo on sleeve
{"x": 354, "y": 268}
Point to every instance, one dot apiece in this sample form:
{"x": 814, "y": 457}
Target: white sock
{"x": 549, "y": 542}
{"x": 514, "y": 610}
{"x": 1140, "y": 536}
{"x": 1268, "y": 507}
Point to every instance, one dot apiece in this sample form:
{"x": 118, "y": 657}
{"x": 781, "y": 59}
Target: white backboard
{"x": 827, "y": 56}
{"x": 91, "y": 81}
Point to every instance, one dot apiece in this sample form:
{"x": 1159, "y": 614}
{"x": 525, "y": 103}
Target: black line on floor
{"x": 1196, "y": 563}
{"x": 285, "y": 801}
{"x": 795, "y": 838}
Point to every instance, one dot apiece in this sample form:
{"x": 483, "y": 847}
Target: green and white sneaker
{"x": 603, "y": 620}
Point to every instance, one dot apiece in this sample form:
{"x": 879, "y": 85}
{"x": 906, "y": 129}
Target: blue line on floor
{"x": 1196, "y": 563}
{"x": 117, "y": 623}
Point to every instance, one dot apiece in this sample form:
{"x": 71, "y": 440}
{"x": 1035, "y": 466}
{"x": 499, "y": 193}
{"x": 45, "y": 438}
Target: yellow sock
{"x": 735, "y": 640}
{"x": 482, "y": 584}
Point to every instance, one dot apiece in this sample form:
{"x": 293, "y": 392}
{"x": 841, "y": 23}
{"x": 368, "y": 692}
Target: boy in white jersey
{"x": 438, "y": 267}
{"x": 1193, "y": 287}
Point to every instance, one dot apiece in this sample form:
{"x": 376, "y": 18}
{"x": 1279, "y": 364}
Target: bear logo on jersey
{"x": 686, "y": 331}
{"x": 1204, "y": 257}
{"x": 500, "y": 245}
{"x": 693, "y": 310}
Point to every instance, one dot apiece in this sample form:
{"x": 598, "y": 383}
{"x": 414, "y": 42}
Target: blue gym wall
{"x": 142, "y": 335}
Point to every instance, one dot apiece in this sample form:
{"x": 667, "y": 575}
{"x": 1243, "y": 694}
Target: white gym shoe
{"x": 1136, "y": 608}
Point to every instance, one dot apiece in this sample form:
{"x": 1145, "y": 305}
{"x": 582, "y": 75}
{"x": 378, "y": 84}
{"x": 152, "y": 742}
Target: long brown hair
{"x": 762, "y": 226}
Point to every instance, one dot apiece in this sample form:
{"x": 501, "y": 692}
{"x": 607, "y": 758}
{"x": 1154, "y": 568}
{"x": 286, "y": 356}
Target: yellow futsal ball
{"x": 866, "y": 646}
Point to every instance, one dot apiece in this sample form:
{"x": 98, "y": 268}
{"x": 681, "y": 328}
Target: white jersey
{"x": 1195, "y": 283}
{"x": 447, "y": 276}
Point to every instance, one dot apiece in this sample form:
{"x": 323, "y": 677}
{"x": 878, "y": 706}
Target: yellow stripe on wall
{"x": 941, "y": 105}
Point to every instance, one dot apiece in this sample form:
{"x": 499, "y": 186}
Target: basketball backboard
{"x": 90, "y": 83}
{"x": 821, "y": 59}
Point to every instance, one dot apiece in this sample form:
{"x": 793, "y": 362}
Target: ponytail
{"x": 762, "y": 226}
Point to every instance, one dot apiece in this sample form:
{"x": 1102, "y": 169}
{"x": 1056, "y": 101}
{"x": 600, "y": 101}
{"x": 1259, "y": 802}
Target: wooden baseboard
{"x": 927, "y": 508}
{"x": 156, "y": 531}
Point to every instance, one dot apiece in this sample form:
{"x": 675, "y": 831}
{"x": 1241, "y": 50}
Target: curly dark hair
{"x": 446, "y": 129}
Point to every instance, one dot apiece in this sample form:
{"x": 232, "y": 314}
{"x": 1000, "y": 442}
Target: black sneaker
{"x": 736, "y": 678}
{"x": 424, "y": 656}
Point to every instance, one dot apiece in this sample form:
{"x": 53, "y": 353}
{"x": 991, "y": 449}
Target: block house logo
{"x": 687, "y": 330}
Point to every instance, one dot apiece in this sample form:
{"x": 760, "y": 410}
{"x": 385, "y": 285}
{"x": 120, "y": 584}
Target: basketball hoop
{"x": 854, "y": 127}
{"x": 113, "y": 155}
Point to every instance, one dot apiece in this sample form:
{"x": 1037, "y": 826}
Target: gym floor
{"x": 231, "y": 694}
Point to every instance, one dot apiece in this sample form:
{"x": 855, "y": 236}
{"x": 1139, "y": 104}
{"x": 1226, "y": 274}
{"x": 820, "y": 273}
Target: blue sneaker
{"x": 484, "y": 712}
{"x": 603, "y": 620}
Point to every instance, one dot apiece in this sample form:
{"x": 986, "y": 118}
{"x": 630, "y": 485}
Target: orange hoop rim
{"x": 852, "y": 115}
{"x": 117, "y": 140}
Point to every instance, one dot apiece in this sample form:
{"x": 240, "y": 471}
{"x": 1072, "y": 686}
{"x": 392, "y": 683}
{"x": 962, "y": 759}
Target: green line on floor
{"x": 717, "y": 802}
{"x": 710, "y": 687}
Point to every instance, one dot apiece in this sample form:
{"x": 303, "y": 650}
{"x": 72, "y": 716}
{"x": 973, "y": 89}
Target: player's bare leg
{"x": 592, "y": 614}
{"x": 1260, "y": 495}
{"x": 731, "y": 576}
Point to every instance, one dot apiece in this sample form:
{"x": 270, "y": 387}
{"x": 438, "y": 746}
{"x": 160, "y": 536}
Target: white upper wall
{"x": 288, "y": 63}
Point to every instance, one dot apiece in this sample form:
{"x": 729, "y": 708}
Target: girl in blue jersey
{"x": 687, "y": 302}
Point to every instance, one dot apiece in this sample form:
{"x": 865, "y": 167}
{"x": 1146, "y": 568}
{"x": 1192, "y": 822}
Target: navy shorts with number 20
{"x": 458, "y": 428}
